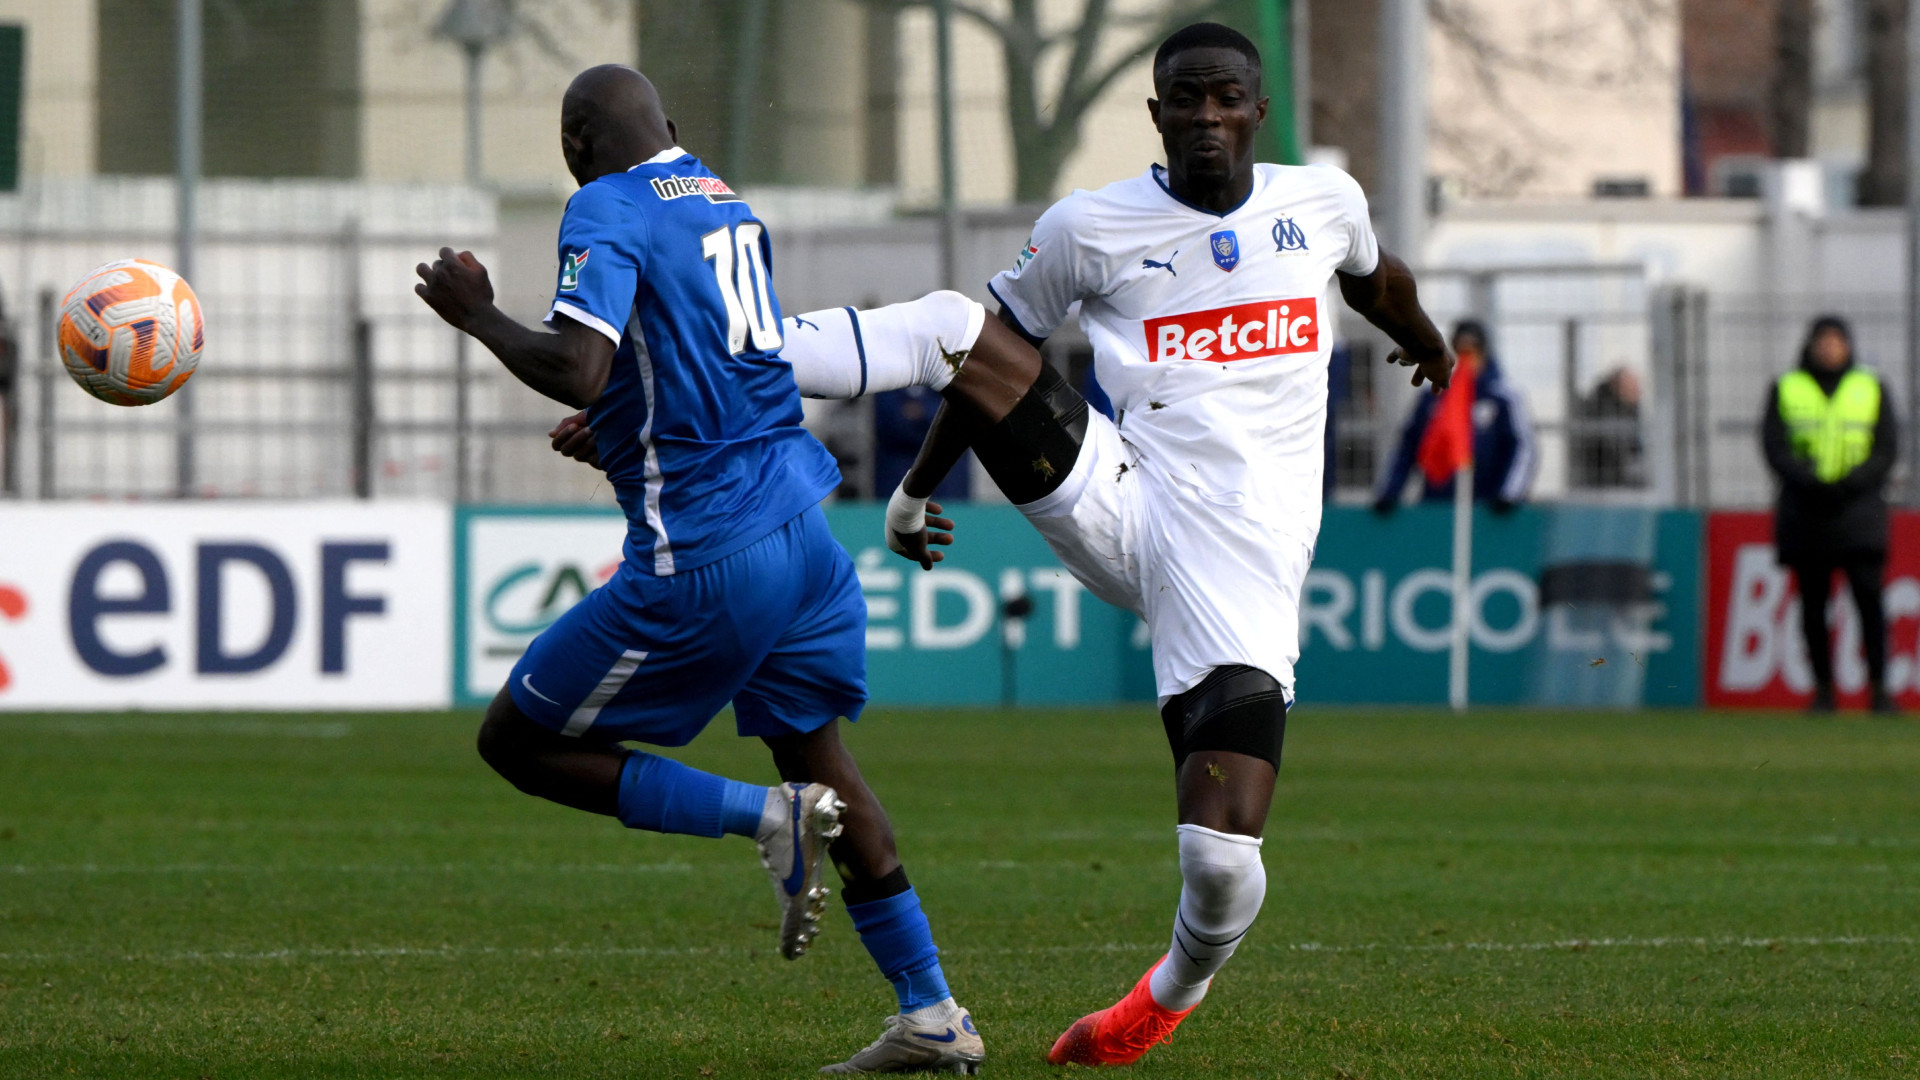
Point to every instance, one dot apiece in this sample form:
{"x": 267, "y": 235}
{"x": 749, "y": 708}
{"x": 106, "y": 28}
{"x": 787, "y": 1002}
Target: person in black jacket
{"x": 1831, "y": 439}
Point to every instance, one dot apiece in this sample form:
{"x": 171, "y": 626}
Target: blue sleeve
{"x": 1401, "y": 467}
{"x": 603, "y": 239}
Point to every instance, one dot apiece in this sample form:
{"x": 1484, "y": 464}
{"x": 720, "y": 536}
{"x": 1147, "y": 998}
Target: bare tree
{"x": 1509, "y": 146}
{"x": 537, "y": 31}
{"x": 1044, "y": 116}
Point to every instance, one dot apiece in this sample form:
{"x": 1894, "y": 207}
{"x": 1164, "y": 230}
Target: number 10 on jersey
{"x": 741, "y": 273}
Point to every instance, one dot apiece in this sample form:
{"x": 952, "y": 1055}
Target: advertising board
{"x": 1571, "y": 605}
{"x": 315, "y": 605}
{"x": 1755, "y": 654}
{"x": 939, "y": 637}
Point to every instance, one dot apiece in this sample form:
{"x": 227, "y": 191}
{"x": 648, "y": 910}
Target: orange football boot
{"x": 1121, "y": 1034}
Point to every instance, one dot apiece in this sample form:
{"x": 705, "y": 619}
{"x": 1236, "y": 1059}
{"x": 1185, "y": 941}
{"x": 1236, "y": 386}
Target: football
{"x": 131, "y": 332}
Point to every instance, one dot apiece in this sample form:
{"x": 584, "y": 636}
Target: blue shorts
{"x": 777, "y": 628}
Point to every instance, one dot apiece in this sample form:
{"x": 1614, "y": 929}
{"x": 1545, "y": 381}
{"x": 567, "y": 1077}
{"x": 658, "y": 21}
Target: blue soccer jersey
{"x": 699, "y": 427}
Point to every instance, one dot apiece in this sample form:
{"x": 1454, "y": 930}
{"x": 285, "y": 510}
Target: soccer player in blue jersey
{"x": 665, "y": 328}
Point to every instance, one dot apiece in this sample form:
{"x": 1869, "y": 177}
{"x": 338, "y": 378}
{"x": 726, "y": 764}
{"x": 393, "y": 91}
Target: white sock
{"x": 1222, "y": 884}
{"x": 840, "y": 354}
{"x": 937, "y": 1013}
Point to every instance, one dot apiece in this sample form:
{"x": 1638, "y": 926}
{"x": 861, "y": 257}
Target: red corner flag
{"x": 1448, "y": 443}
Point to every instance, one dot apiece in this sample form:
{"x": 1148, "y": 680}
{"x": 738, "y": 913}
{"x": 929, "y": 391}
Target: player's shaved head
{"x": 610, "y": 121}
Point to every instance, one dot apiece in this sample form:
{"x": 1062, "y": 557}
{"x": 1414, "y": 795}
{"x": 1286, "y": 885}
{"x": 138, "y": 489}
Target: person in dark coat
{"x": 1830, "y": 438}
{"x": 1504, "y": 455}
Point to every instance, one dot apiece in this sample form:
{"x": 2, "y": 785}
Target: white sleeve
{"x": 1363, "y": 248}
{"x": 1053, "y": 272}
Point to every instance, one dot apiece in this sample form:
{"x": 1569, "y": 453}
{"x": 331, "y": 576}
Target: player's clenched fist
{"x": 573, "y": 438}
{"x": 455, "y": 286}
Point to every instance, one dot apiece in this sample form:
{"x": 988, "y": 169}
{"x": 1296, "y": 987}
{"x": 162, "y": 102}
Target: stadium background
{"x": 244, "y": 632}
{"x": 336, "y": 153}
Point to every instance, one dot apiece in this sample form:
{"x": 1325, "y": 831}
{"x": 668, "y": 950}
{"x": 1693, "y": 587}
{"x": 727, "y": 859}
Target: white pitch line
{"x": 286, "y": 729}
{"x": 23, "y": 870}
{"x": 458, "y": 952}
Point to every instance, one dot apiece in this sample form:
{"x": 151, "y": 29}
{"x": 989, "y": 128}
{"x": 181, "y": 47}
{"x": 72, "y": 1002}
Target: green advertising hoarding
{"x": 1571, "y": 605}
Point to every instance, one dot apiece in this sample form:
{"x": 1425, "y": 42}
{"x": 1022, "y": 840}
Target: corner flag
{"x": 1447, "y": 451}
{"x": 1447, "y": 446}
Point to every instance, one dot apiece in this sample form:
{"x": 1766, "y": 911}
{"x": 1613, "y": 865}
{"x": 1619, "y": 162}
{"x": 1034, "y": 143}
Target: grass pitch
{"x": 1512, "y": 894}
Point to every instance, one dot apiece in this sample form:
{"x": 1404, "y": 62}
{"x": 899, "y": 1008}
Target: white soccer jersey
{"x": 1211, "y": 333}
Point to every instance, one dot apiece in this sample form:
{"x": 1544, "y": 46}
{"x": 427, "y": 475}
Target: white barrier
{"x": 316, "y": 605}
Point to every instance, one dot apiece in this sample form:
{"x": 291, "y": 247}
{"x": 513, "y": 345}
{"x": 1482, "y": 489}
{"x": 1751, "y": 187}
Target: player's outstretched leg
{"x": 791, "y": 823}
{"x": 841, "y": 353}
{"x": 931, "y": 1032}
{"x": 1226, "y": 735}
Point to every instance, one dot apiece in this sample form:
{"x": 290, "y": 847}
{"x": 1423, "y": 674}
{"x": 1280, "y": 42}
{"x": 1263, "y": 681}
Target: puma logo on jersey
{"x": 1241, "y": 332}
{"x": 1149, "y": 264}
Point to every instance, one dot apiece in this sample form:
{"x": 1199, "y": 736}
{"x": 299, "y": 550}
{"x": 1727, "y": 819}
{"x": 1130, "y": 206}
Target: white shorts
{"x": 1215, "y": 584}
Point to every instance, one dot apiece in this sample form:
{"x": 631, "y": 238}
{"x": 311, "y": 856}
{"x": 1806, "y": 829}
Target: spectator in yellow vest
{"x": 1830, "y": 438}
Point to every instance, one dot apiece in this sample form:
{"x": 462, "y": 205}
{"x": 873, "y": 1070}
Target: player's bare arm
{"x": 1000, "y": 369}
{"x": 1389, "y": 299}
{"x": 570, "y": 366}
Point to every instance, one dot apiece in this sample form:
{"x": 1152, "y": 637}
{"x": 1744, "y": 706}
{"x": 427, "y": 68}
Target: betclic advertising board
{"x": 1756, "y": 656}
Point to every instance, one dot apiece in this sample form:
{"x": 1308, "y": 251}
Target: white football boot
{"x": 793, "y": 848}
{"x": 952, "y": 1045}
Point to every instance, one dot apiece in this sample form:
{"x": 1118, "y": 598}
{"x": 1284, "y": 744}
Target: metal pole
{"x": 1277, "y": 49}
{"x": 1301, "y": 39}
{"x": 49, "y": 379}
{"x": 1403, "y": 125}
{"x": 361, "y": 377}
{"x": 187, "y": 141}
{"x": 1913, "y": 252}
{"x": 462, "y": 418}
{"x": 1574, "y": 424}
{"x": 476, "y": 52}
{"x": 746, "y": 90}
{"x": 943, "y": 99}
{"x": 1461, "y": 630}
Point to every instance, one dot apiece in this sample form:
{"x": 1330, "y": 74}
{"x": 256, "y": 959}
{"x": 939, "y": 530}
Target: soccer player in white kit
{"x": 1204, "y": 288}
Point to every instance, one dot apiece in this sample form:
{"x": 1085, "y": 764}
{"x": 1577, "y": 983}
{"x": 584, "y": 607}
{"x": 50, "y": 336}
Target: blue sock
{"x": 896, "y": 934}
{"x": 661, "y": 795}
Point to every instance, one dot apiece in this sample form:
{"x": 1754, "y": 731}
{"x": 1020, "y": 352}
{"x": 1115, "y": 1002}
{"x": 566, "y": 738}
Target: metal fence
{"x": 1745, "y": 343}
{"x": 1574, "y": 340}
{"x": 324, "y": 376}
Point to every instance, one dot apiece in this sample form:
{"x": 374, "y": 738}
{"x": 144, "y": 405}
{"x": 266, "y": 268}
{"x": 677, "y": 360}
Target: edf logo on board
{"x": 120, "y": 580}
